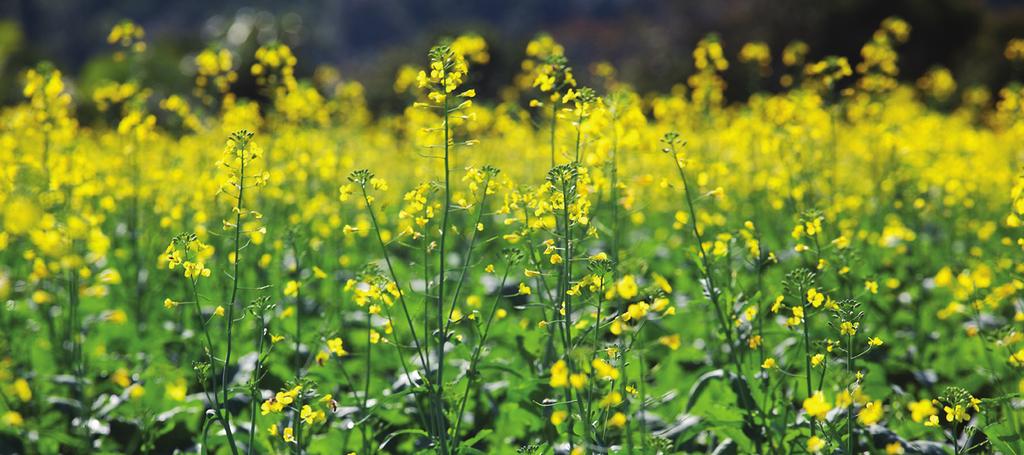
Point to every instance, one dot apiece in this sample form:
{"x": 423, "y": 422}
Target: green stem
{"x": 807, "y": 357}
{"x": 625, "y": 399}
{"x": 442, "y": 269}
{"x": 234, "y": 277}
{"x": 218, "y": 406}
{"x": 469, "y": 254}
{"x": 554, "y": 123}
{"x": 366, "y": 384}
{"x": 401, "y": 295}
{"x": 850, "y": 443}
{"x": 723, "y": 320}
{"x": 472, "y": 373}
{"x": 254, "y": 387}
{"x": 298, "y": 315}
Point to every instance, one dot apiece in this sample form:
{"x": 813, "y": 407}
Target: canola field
{"x": 831, "y": 268}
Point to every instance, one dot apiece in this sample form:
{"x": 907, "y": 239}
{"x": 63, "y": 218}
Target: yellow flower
{"x": 816, "y": 359}
{"x": 816, "y": 406}
{"x": 626, "y": 287}
{"x": 750, "y": 312}
{"x": 524, "y": 289}
{"x": 871, "y": 413}
{"x": 815, "y": 444}
{"x": 176, "y": 390}
{"x": 661, "y": 282}
{"x": 40, "y": 296}
{"x": 848, "y": 328}
{"x": 559, "y": 375}
{"x": 558, "y": 416}
{"x": 288, "y": 435}
{"x": 329, "y": 398}
{"x": 957, "y": 413}
{"x": 22, "y": 390}
{"x": 841, "y": 242}
{"x": 269, "y": 406}
{"x": 672, "y": 341}
{"x": 13, "y": 419}
{"x": 321, "y": 357}
{"x": 871, "y": 286}
{"x": 768, "y": 363}
{"x": 195, "y": 270}
{"x": 754, "y": 342}
{"x": 335, "y": 345}
{"x": 219, "y": 311}
{"x": 921, "y": 410}
{"x": 637, "y": 311}
{"x": 613, "y": 398}
{"x": 875, "y": 341}
{"x": 117, "y": 316}
{"x": 308, "y": 415}
{"x": 121, "y": 377}
{"x": 604, "y": 370}
{"x": 617, "y": 420}
{"x": 136, "y": 391}
{"x": 815, "y": 298}
{"x": 291, "y": 289}
{"x": 663, "y": 306}
{"x": 844, "y": 399}
{"x": 894, "y": 448}
{"x": 578, "y": 380}
{"x": 797, "y": 318}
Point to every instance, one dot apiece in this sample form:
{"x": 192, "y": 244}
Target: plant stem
{"x": 472, "y": 373}
{"x": 254, "y": 391}
{"x": 807, "y": 355}
{"x": 234, "y": 277}
{"x": 850, "y": 443}
{"x": 218, "y": 406}
{"x": 554, "y": 123}
{"x": 234, "y": 295}
{"x": 442, "y": 269}
{"x": 401, "y": 296}
{"x": 710, "y": 283}
{"x": 469, "y": 254}
{"x": 298, "y": 314}
{"x": 366, "y": 384}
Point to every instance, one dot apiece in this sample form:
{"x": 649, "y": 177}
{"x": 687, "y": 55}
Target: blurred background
{"x": 648, "y": 41}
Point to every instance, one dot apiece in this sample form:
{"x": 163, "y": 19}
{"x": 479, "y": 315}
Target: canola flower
{"x": 339, "y": 282}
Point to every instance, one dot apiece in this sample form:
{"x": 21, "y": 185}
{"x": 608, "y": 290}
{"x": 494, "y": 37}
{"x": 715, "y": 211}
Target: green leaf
{"x": 727, "y": 447}
{"x": 477, "y": 438}
{"x": 738, "y": 384}
{"x": 414, "y": 431}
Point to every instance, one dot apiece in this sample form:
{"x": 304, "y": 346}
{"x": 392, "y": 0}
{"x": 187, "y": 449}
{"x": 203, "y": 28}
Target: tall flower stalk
{"x": 448, "y": 70}
{"x": 723, "y": 311}
{"x": 188, "y": 252}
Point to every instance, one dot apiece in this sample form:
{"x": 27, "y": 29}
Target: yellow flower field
{"x": 834, "y": 268}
